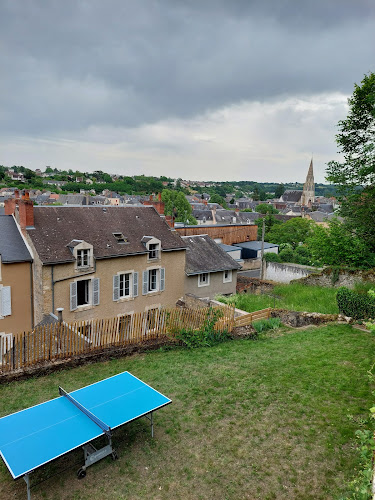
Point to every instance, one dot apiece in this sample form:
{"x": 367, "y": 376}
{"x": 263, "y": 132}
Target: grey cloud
{"x": 68, "y": 65}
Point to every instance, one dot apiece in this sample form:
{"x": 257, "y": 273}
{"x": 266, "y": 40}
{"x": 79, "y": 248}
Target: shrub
{"x": 272, "y": 257}
{"x": 356, "y": 305}
{"x": 266, "y": 324}
{"x": 206, "y": 336}
{"x": 287, "y": 255}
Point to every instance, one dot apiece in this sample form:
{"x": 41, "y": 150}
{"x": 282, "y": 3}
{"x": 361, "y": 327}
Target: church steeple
{"x": 308, "y": 194}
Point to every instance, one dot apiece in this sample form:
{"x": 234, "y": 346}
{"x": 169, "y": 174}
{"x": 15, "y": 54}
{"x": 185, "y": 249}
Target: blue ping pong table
{"x": 37, "y": 435}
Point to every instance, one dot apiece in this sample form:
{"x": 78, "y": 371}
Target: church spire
{"x": 308, "y": 194}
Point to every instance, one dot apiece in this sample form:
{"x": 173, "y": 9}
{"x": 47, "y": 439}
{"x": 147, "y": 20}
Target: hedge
{"x": 355, "y": 305}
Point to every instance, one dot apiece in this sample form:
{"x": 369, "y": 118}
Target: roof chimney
{"x": 26, "y": 211}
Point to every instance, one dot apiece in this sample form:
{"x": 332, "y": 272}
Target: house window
{"x": 153, "y": 251}
{"x": 227, "y": 276}
{"x": 5, "y": 301}
{"x": 83, "y": 258}
{"x": 152, "y": 280}
{"x": 124, "y": 325}
{"x": 124, "y": 285}
{"x": 204, "y": 279}
{"x": 83, "y": 292}
{"x": 152, "y": 317}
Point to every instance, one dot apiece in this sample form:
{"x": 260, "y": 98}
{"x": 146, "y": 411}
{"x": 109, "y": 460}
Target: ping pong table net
{"x": 104, "y": 427}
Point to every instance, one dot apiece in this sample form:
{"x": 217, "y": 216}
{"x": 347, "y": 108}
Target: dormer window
{"x": 153, "y": 247}
{"x": 83, "y": 258}
{"x": 153, "y": 251}
{"x": 83, "y": 253}
{"x": 120, "y": 238}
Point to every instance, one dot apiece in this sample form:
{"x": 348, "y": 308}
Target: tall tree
{"x": 355, "y": 174}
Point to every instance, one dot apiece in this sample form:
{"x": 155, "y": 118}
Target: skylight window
{"x": 120, "y": 238}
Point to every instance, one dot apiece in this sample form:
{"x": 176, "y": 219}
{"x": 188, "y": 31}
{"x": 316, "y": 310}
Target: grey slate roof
{"x": 203, "y": 255}
{"x": 256, "y": 245}
{"x": 12, "y": 246}
{"x": 57, "y": 226}
{"x": 291, "y": 195}
{"x": 228, "y": 248}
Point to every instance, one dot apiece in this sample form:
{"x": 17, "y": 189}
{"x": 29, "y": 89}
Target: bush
{"x": 356, "y": 305}
{"x": 286, "y": 255}
{"x": 266, "y": 324}
{"x": 206, "y": 336}
{"x": 272, "y": 257}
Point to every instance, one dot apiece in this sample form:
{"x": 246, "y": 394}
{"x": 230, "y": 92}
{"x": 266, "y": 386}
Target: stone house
{"x": 16, "y": 307}
{"x": 209, "y": 270}
{"x": 101, "y": 262}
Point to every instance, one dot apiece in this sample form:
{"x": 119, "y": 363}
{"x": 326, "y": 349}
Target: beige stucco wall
{"x": 18, "y": 277}
{"x": 216, "y": 286}
{"x": 105, "y": 269}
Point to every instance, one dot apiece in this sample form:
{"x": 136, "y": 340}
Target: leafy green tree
{"x": 177, "y": 205}
{"x": 355, "y": 174}
{"x": 279, "y": 191}
{"x": 294, "y": 232}
{"x": 216, "y": 198}
{"x": 266, "y": 208}
{"x": 337, "y": 245}
{"x": 269, "y": 222}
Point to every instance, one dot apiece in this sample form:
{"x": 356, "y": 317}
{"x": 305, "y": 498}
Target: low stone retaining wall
{"x": 298, "y": 318}
{"x": 335, "y": 278}
{"x": 253, "y": 285}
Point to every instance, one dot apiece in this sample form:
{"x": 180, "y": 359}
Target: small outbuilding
{"x": 253, "y": 249}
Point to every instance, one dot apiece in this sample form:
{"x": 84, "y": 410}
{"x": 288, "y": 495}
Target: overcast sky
{"x": 197, "y": 89}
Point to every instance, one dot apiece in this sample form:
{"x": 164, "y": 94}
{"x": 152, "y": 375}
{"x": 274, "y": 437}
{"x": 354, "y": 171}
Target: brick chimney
{"x": 26, "y": 211}
{"x": 10, "y": 203}
{"x": 169, "y": 220}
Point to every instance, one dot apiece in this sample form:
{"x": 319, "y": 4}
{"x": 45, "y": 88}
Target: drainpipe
{"x": 53, "y": 289}
{"x": 32, "y": 295}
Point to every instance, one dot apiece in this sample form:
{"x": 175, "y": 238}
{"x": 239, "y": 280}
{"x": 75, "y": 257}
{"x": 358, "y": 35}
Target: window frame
{"x": 229, "y": 279}
{"x": 200, "y": 280}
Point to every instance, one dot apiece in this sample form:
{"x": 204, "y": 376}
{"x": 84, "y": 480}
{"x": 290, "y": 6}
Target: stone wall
{"x": 253, "y": 285}
{"x": 249, "y": 264}
{"x": 335, "y": 278}
{"x": 298, "y": 318}
{"x": 285, "y": 273}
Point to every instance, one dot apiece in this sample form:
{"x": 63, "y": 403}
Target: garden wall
{"x": 335, "y": 278}
{"x": 285, "y": 273}
{"x": 253, "y": 285}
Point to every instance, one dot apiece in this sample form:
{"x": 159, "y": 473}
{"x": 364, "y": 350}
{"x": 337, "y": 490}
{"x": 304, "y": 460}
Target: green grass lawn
{"x": 267, "y": 419}
{"x": 295, "y": 297}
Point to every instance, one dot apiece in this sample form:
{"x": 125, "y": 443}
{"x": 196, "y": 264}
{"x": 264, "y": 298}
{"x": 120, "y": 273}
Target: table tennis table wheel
{"x": 81, "y": 473}
{"x": 114, "y": 455}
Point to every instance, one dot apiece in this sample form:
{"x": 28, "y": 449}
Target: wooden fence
{"x": 247, "y": 319}
{"x": 62, "y": 341}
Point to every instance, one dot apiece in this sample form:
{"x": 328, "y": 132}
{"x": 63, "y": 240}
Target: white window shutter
{"x": 6, "y": 302}
{"x": 116, "y": 285}
{"x": 135, "y": 284}
{"x": 145, "y": 283}
{"x": 95, "y": 291}
{"x": 162, "y": 279}
{"x": 73, "y": 296}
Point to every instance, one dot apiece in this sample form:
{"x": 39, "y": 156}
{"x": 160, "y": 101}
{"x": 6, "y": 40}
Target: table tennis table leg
{"x": 27, "y": 481}
{"x": 151, "y": 419}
